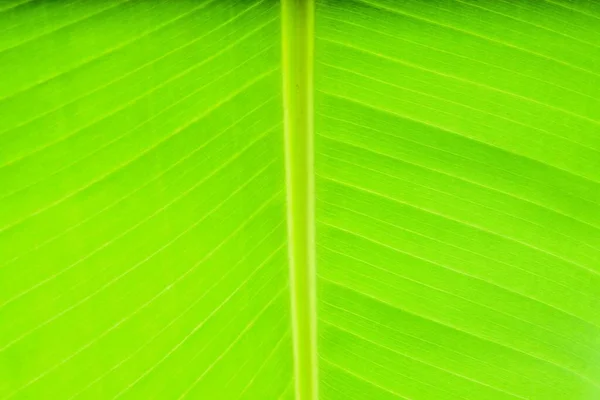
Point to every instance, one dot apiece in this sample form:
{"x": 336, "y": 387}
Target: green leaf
{"x": 443, "y": 215}
{"x": 458, "y": 190}
{"x": 143, "y": 207}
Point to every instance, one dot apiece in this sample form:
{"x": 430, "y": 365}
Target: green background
{"x": 143, "y": 212}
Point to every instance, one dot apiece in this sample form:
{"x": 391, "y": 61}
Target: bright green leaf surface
{"x": 458, "y": 199}
{"x": 143, "y": 250}
{"x": 143, "y": 210}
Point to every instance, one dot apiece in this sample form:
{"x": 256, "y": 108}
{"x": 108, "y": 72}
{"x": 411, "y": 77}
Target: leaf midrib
{"x": 297, "y": 18}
